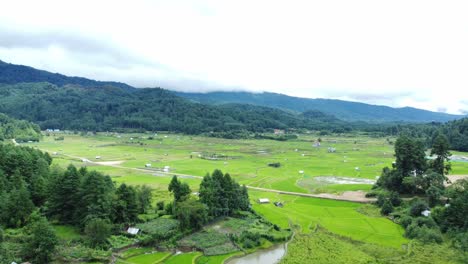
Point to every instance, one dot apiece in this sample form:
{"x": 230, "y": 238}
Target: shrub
{"x": 417, "y": 207}
{"x": 387, "y": 208}
{"x": 97, "y": 231}
{"x": 274, "y": 165}
{"x": 425, "y": 221}
{"x": 406, "y": 220}
{"x": 381, "y": 198}
{"x": 430, "y": 235}
{"x": 424, "y": 233}
{"x": 395, "y": 199}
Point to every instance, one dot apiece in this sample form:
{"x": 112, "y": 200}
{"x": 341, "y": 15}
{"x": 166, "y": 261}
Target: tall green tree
{"x": 410, "y": 156}
{"x": 125, "y": 205}
{"x": 192, "y": 214}
{"x": 97, "y": 232}
{"x": 64, "y": 195}
{"x": 41, "y": 242}
{"x": 96, "y": 197}
{"x": 179, "y": 189}
{"x": 17, "y": 207}
{"x": 144, "y": 198}
{"x": 410, "y": 164}
{"x": 440, "y": 148}
{"x": 222, "y": 195}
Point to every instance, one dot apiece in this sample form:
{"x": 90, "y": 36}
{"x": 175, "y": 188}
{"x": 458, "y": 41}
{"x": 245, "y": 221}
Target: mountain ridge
{"x": 344, "y": 110}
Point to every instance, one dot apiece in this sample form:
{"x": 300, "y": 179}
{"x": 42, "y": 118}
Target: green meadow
{"x": 356, "y": 157}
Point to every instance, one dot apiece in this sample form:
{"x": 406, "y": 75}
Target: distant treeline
{"x": 112, "y": 108}
{"x": 455, "y": 131}
{"x": 20, "y": 130}
{"x": 109, "y": 108}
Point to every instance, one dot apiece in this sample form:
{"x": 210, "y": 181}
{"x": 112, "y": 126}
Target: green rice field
{"x": 302, "y": 168}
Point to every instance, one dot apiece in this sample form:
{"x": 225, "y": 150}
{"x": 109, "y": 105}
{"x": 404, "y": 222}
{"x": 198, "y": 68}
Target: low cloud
{"x": 356, "y": 52}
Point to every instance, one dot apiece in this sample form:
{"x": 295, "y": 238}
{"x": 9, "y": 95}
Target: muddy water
{"x": 342, "y": 180}
{"x": 271, "y": 255}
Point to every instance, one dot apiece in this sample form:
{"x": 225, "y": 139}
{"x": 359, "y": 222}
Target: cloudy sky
{"x": 397, "y": 53}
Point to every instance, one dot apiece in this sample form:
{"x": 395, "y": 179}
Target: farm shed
{"x": 133, "y": 230}
{"x": 426, "y": 213}
{"x": 278, "y": 204}
{"x": 263, "y": 200}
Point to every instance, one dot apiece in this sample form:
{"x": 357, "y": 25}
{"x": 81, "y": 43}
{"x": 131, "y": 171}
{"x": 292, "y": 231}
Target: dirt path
{"x": 454, "y": 178}
{"x": 351, "y": 196}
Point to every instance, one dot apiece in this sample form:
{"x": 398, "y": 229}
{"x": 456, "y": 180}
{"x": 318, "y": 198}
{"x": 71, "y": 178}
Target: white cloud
{"x": 398, "y": 53}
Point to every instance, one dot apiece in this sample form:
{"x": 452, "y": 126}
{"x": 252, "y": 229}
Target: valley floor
{"x": 302, "y": 179}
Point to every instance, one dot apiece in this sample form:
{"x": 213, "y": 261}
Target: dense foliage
{"x": 457, "y": 134}
{"x": 219, "y": 195}
{"x": 20, "y": 130}
{"x": 425, "y": 219}
{"x": 223, "y": 195}
{"x": 345, "y": 110}
{"x": 110, "y": 108}
{"x": 86, "y": 199}
{"x": 11, "y": 74}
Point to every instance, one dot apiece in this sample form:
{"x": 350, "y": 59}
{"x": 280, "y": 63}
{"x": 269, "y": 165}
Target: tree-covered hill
{"x": 12, "y": 73}
{"x": 111, "y": 108}
{"x": 344, "y": 110}
{"x": 20, "y": 130}
{"x": 457, "y": 134}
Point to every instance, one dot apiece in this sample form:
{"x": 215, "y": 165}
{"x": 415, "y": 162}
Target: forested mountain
{"x": 113, "y": 108}
{"x": 12, "y": 73}
{"x": 344, "y": 110}
{"x": 20, "y": 130}
{"x": 457, "y": 134}
{"x": 58, "y": 101}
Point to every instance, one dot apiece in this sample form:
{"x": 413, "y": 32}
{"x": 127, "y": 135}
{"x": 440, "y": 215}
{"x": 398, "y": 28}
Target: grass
{"x": 337, "y": 216}
{"x": 249, "y": 166}
{"x": 67, "y": 233}
{"x": 219, "y": 259}
{"x": 134, "y": 252}
{"x": 184, "y": 258}
{"x": 211, "y": 242}
{"x": 150, "y": 258}
{"x": 322, "y": 246}
{"x": 247, "y": 163}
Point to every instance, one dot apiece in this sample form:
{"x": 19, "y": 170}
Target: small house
{"x": 301, "y": 172}
{"x": 133, "y": 230}
{"x": 148, "y": 165}
{"x": 98, "y": 157}
{"x": 264, "y": 200}
{"x": 426, "y": 213}
{"x": 279, "y": 132}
